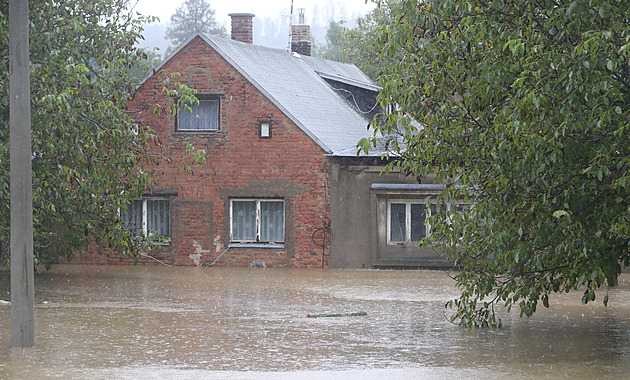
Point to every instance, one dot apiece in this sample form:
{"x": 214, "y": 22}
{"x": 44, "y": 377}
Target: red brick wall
{"x": 242, "y": 27}
{"x": 239, "y": 164}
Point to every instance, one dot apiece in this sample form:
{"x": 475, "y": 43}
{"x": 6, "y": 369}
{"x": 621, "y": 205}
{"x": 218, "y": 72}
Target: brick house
{"x": 282, "y": 185}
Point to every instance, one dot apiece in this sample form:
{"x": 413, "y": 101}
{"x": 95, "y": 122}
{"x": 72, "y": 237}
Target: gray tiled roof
{"x": 293, "y": 84}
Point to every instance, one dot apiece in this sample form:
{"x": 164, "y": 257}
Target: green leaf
{"x": 531, "y": 120}
{"x": 559, "y": 213}
{"x": 85, "y": 141}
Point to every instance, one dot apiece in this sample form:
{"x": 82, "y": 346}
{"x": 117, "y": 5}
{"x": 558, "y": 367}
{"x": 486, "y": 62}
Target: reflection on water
{"x": 242, "y": 323}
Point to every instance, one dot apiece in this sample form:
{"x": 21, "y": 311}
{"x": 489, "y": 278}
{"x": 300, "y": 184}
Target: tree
{"x": 332, "y": 49}
{"x": 523, "y": 110}
{"x": 193, "y": 16}
{"x": 89, "y": 153}
{"x": 359, "y": 44}
{"x": 149, "y": 60}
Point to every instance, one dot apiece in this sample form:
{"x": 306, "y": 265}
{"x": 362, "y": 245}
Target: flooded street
{"x": 98, "y": 322}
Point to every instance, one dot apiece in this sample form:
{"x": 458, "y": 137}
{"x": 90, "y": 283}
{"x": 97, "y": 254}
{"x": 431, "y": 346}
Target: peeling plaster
{"x": 196, "y": 257}
{"x": 217, "y": 243}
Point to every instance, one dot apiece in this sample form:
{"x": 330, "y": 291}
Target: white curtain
{"x": 133, "y": 217}
{"x": 261, "y": 221}
{"x": 203, "y": 116}
{"x": 244, "y": 220}
{"x": 158, "y": 215}
{"x": 271, "y": 221}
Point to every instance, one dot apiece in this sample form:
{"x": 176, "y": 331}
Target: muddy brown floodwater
{"x": 146, "y": 322}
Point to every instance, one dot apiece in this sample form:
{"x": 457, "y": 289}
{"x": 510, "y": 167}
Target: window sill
{"x": 255, "y": 245}
{"x": 161, "y": 243}
{"x": 404, "y": 244}
{"x": 196, "y": 132}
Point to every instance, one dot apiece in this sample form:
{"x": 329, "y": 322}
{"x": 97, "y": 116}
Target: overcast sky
{"x": 261, "y": 8}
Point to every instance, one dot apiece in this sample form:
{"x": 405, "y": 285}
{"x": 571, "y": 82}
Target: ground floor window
{"x": 148, "y": 215}
{"x": 257, "y": 220}
{"x": 407, "y": 220}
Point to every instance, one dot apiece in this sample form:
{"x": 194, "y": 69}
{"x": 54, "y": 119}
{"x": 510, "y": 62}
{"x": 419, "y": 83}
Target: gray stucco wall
{"x": 359, "y": 216}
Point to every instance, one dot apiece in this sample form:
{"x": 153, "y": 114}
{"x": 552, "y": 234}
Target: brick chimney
{"x": 243, "y": 27}
{"x": 301, "y": 37}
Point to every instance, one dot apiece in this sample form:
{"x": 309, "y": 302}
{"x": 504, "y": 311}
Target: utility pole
{"x": 22, "y": 276}
{"x": 290, "y": 29}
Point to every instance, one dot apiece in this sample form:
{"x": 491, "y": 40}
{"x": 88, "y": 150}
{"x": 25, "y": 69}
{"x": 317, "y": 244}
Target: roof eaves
{"x": 352, "y": 82}
{"x": 426, "y": 187}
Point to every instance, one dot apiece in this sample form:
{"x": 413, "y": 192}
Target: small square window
{"x": 265, "y": 129}
{"x": 201, "y": 117}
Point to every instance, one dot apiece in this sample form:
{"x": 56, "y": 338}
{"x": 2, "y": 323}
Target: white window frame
{"x": 258, "y": 220}
{"x": 408, "y": 203}
{"x": 145, "y": 217}
{"x": 265, "y": 129}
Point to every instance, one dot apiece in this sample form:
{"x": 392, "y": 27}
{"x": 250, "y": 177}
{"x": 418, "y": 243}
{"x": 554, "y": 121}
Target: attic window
{"x": 265, "y": 129}
{"x": 202, "y": 117}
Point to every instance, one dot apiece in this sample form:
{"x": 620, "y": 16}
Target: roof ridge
{"x": 295, "y": 86}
